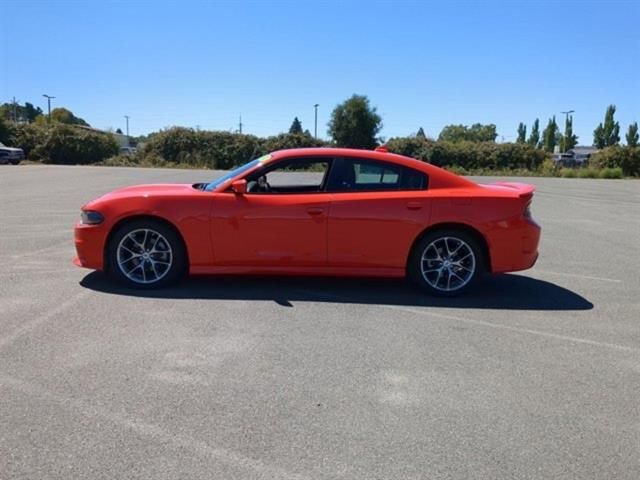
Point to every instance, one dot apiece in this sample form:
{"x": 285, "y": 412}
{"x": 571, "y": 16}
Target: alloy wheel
{"x": 144, "y": 256}
{"x": 448, "y": 264}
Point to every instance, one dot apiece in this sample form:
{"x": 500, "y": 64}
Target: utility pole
{"x": 315, "y": 124}
{"x": 48, "y": 97}
{"x": 240, "y": 125}
{"x": 127, "y": 117}
{"x": 15, "y": 110}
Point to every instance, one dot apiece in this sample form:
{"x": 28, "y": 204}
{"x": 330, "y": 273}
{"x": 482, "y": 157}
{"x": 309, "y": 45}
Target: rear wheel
{"x": 146, "y": 254}
{"x": 446, "y": 262}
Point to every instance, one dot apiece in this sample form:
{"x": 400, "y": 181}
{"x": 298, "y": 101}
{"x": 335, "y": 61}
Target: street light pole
{"x": 48, "y": 97}
{"x": 566, "y": 115}
{"x": 127, "y": 117}
{"x": 566, "y": 120}
{"x": 315, "y": 125}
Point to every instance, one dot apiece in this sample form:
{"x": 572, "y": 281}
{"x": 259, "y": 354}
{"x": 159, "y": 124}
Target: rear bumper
{"x": 515, "y": 247}
{"x": 89, "y": 241}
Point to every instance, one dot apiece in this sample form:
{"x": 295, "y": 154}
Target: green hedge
{"x": 62, "y": 144}
{"x": 65, "y": 144}
{"x": 470, "y": 155}
{"x": 214, "y": 149}
{"x": 224, "y": 150}
{"x": 625, "y": 158}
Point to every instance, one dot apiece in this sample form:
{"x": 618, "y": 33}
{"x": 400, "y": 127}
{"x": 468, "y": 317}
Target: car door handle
{"x": 414, "y": 205}
{"x": 315, "y": 211}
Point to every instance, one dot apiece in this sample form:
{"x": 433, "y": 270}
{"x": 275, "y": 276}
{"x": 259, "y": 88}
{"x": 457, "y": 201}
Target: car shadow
{"x": 503, "y": 292}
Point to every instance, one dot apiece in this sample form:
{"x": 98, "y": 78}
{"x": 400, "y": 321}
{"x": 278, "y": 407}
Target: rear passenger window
{"x": 366, "y": 175}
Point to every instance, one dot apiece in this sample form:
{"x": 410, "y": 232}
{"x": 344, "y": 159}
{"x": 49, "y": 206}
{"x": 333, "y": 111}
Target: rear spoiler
{"x": 525, "y": 190}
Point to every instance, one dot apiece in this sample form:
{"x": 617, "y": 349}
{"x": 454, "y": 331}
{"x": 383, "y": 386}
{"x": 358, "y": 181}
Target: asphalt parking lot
{"x": 534, "y": 375}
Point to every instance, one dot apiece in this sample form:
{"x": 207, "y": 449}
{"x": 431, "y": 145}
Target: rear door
{"x": 377, "y": 210}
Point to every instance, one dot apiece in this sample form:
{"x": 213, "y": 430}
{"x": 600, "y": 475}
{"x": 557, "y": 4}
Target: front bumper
{"x": 89, "y": 241}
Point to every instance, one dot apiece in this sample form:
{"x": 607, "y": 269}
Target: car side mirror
{"x": 239, "y": 187}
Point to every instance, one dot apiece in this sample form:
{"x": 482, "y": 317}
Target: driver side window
{"x": 303, "y": 175}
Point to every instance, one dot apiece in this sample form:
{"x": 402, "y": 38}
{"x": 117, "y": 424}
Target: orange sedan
{"x": 318, "y": 211}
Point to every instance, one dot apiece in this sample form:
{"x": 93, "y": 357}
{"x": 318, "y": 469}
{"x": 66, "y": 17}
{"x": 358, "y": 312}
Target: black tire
{"x": 453, "y": 268}
{"x": 128, "y": 237}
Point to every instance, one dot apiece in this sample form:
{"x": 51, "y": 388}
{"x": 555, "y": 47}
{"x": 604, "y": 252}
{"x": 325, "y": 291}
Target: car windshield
{"x": 247, "y": 166}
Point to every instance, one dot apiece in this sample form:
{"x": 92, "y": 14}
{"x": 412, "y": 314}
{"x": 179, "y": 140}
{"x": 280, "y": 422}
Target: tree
{"x": 550, "y": 135}
{"x": 5, "y": 131}
{"x": 421, "y": 134}
{"x": 296, "y": 126}
{"x": 632, "y": 135}
{"x": 119, "y": 131}
{"x": 355, "y": 123}
{"x": 568, "y": 140}
{"x": 31, "y": 112}
{"x": 607, "y": 134}
{"x": 534, "y": 137}
{"x": 19, "y": 113}
{"x": 475, "y": 133}
{"x": 522, "y": 133}
{"x": 63, "y": 115}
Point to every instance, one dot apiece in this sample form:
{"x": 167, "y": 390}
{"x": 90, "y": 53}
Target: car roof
{"x": 348, "y": 152}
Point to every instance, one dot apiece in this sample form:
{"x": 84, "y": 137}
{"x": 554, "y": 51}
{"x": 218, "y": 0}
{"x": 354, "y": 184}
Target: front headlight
{"x": 91, "y": 217}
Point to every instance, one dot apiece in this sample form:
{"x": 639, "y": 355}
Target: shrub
{"x": 218, "y": 150}
{"x": 63, "y": 144}
{"x": 615, "y": 172}
{"x": 289, "y": 140}
{"x": 6, "y": 131}
{"x": 469, "y": 155}
{"x": 568, "y": 173}
{"x": 588, "y": 173}
{"x": 201, "y": 148}
{"x": 626, "y": 158}
{"x": 28, "y": 137}
{"x": 73, "y": 146}
{"x": 549, "y": 167}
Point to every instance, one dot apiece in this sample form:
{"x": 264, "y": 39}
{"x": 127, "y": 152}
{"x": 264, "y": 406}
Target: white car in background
{"x": 10, "y": 155}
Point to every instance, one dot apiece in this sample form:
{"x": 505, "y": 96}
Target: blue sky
{"x": 423, "y": 64}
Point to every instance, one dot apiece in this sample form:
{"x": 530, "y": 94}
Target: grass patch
{"x": 588, "y": 173}
{"x": 615, "y": 172}
{"x": 568, "y": 173}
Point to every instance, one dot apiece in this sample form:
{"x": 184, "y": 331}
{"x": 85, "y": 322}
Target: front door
{"x": 281, "y": 221}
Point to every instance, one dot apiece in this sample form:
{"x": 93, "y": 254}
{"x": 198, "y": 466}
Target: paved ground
{"x": 532, "y": 376}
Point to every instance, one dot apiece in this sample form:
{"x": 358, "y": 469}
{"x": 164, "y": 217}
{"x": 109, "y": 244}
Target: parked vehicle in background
{"x": 10, "y": 155}
{"x": 127, "y": 150}
{"x": 576, "y": 157}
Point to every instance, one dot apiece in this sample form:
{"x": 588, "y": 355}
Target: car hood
{"x": 148, "y": 191}
{"x": 11, "y": 149}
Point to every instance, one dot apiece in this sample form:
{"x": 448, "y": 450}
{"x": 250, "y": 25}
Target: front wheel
{"x": 446, "y": 262}
{"x": 146, "y": 254}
